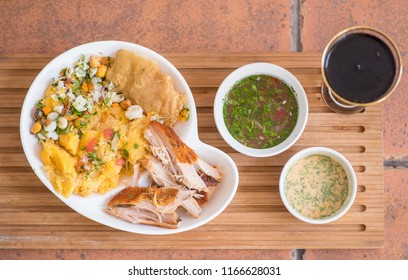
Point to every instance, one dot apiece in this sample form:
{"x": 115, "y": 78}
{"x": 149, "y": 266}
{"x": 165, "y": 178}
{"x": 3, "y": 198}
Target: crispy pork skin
{"x": 152, "y": 206}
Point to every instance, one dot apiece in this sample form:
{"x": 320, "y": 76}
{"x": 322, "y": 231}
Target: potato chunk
{"x": 61, "y": 159}
{"x": 70, "y": 142}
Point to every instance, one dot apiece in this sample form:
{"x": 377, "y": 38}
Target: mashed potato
{"x": 95, "y": 161}
{"x": 88, "y": 140}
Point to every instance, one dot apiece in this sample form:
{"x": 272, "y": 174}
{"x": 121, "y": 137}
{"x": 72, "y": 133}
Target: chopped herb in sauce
{"x": 260, "y": 111}
{"x": 316, "y": 186}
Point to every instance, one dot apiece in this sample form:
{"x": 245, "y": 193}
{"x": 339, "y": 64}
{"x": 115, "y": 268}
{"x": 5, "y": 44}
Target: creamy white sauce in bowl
{"x": 318, "y": 185}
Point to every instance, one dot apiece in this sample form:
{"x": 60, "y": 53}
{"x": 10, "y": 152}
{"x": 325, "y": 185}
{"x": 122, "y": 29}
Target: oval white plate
{"x": 93, "y": 206}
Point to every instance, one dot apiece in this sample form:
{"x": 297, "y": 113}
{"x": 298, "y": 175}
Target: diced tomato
{"x": 120, "y": 161}
{"x": 79, "y": 165}
{"x": 90, "y": 148}
{"x": 108, "y": 133}
{"x": 280, "y": 114}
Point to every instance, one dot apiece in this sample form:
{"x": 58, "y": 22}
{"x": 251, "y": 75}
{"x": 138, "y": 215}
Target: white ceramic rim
{"x": 342, "y": 160}
{"x": 257, "y": 69}
{"x": 92, "y": 207}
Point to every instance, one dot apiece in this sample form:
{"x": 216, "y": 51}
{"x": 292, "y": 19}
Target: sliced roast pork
{"x": 160, "y": 173}
{"x": 182, "y": 161}
{"x": 153, "y": 206}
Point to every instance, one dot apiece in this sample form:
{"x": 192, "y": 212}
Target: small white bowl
{"x": 348, "y": 168}
{"x": 259, "y": 69}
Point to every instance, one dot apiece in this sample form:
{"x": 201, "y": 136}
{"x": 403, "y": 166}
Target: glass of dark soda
{"x": 361, "y": 66}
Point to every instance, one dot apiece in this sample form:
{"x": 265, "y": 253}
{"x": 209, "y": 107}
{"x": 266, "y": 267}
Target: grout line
{"x": 298, "y": 254}
{"x": 295, "y": 38}
{"x": 301, "y": 20}
{"x": 396, "y": 163}
{"x": 296, "y": 47}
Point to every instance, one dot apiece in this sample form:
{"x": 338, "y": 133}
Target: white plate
{"x": 93, "y": 206}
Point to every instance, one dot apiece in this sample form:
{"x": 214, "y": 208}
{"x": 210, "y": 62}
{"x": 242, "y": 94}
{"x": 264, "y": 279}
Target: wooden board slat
{"x": 32, "y": 217}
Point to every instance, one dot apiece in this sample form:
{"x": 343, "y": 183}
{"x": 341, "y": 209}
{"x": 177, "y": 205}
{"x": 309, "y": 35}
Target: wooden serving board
{"x": 32, "y": 217}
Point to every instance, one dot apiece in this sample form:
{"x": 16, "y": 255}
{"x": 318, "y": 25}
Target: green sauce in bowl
{"x": 260, "y": 111}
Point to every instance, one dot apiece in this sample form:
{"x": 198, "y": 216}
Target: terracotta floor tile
{"x": 395, "y": 121}
{"x": 164, "y": 26}
{"x": 395, "y": 223}
{"x": 324, "y": 19}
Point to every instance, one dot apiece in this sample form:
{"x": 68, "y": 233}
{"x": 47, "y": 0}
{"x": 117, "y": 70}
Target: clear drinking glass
{"x": 361, "y": 66}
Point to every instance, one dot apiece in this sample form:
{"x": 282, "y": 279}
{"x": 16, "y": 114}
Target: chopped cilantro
{"x": 95, "y": 160}
{"x": 76, "y": 85}
{"x": 39, "y": 104}
{"x": 82, "y": 124}
{"x": 76, "y": 112}
{"x": 63, "y": 131}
